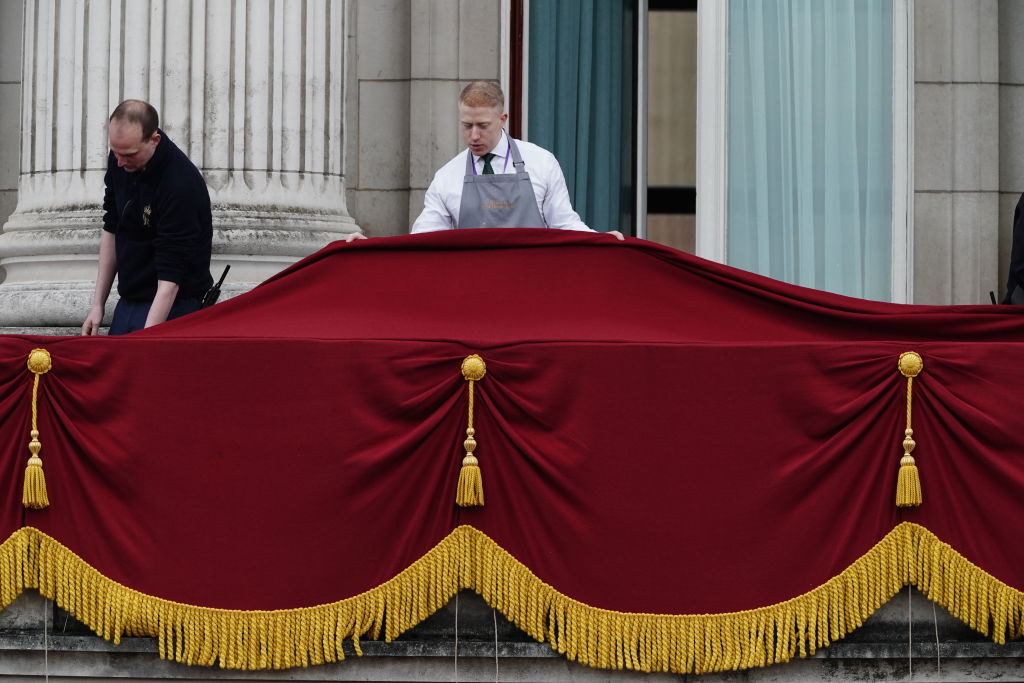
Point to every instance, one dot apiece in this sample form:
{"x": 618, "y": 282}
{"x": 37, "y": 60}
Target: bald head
{"x": 133, "y": 134}
{"x": 137, "y": 112}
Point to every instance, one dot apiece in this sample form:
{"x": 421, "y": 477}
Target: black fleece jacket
{"x": 1015, "y": 279}
{"x": 163, "y": 227}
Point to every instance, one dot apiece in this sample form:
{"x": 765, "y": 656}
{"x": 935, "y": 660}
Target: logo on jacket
{"x": 146, "y": 213}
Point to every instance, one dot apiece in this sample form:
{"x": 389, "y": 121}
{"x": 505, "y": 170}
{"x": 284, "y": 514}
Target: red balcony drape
{"x": 686, "y": 467}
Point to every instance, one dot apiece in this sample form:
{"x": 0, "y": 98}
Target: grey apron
{"x": 501, "y": 200}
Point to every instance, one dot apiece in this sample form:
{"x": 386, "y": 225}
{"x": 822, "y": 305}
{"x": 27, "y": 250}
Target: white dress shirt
{"x": 443, "y": 200}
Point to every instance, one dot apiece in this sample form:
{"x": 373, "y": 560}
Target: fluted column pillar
{"x": 251, "y": 90}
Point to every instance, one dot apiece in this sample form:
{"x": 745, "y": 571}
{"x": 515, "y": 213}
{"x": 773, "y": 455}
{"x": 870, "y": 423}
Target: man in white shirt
{"x": 496, "y": 181}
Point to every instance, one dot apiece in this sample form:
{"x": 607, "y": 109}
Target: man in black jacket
{"x": 1015, "y": 280}
{"x": 157, "y": 226}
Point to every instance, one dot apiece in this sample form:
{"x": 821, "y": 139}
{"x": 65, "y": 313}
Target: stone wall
{"x": 957, "y": 217}
{"x": 412, "y": 57}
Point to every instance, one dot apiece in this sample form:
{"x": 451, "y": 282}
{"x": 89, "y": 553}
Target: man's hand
{"x": 618, "y": 235}
{"x": 93, "y": 321}
{"x": 353, "y": 236}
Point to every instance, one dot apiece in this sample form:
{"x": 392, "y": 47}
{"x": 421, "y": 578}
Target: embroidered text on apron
{"x": 501, "y": 200}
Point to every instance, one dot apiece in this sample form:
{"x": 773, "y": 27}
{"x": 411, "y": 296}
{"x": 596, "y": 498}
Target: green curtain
{"x": 578, "y": 107}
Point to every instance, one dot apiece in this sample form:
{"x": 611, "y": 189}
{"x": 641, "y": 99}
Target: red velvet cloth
{"x": 656, "y": 433}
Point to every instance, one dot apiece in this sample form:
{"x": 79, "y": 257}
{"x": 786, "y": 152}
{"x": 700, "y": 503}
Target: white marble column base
{"x": 51, "y": 271}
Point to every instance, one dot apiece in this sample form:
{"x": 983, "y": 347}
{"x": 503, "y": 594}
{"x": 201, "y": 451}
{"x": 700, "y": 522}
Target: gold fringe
{"x": 467, "y": 558}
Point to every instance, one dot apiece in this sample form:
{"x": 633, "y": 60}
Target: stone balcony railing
{"x": 38, "y": 640}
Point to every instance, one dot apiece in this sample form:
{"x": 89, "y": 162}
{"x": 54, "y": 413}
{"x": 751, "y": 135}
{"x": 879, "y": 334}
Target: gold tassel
{"x": 471, "y": 484}
{"x": 470, "y": 492}
{"x": 908, "y": 483}
{"x": 34, "y": 492}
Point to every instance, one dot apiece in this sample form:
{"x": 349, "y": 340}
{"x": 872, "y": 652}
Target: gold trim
{"x": 470, "y": 489}
{"x": 910, "y": 364}
{"x": 39, "y": 361}
{"x": 908, "y": 480}
{"x": 467, "y": 558}
{"x": 473, "y": 368}
{"x": 34, "y": 495}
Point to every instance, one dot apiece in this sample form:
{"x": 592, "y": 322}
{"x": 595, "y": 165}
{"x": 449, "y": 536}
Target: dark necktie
{"x": 487, "y": 163}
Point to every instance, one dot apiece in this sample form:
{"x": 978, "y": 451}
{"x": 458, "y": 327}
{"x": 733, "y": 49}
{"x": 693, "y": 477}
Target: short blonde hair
{"x": 482, "y": 94}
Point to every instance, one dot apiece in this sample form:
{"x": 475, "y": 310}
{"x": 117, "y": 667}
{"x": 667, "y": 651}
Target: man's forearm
{"x": 166, "y": 292}
{"x": 435, "y": 215}
{"x": 105, "y": 270}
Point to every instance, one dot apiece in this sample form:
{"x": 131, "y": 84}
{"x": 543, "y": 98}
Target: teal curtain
{"x": 576, "y": 103}
{"x": 810, "y": 143}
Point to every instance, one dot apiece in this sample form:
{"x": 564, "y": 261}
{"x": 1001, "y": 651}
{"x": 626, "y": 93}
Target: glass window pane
{"x": 672, "y": 125}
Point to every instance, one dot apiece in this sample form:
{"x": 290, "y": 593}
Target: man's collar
{"x": 159, "y": 158}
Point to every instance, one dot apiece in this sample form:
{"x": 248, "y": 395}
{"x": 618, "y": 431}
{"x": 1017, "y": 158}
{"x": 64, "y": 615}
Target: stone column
{"x": 251, "y": 90}
{"x": 10, "y": 111}
{"x": 957, "y": 152}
